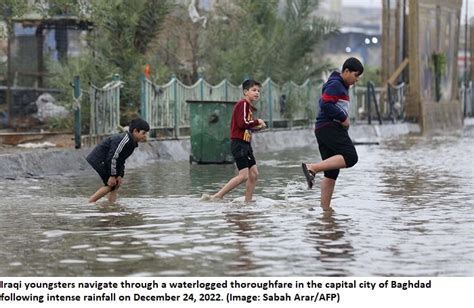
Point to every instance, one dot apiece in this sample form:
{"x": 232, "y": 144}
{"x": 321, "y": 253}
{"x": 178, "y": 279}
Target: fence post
{"x": 143, "y": 98}
{"x": 270, "y": 109}
{"x": 77, "y": 112}
{"x": 176, "y": 109}
{"x": 116, "y": 97}
{"x": 201, "y": 85}
{"x": 367, "y": 100}
{"x": 390, "y": 102}
{"x": 226, "y": 90}
{"x": 371, "y": 91}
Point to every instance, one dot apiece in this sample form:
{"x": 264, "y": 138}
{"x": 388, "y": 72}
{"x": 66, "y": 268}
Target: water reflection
{"x": 243, "y": 259}
{"x": 327, "y": 234}
{"x": 115, "y": 215}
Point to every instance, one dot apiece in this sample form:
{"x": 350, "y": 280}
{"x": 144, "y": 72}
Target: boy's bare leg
{"x": 331, "y": 163}
{"x": 251, "y": 182}
{"x": 233, "y": 183}
{"x": 99, "y": 193}
{"x": 113, "y": 195}
{"x": 327, "y": 189}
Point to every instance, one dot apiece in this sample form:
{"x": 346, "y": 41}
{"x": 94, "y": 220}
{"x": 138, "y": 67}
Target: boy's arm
{"x": 241, "y": 115}
{"x": 115, "y": 164}
{"x": 331, "y": 95}
{"x": 121, "y": 172}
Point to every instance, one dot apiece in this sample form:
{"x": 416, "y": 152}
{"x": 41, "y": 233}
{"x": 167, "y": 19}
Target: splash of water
{"x": 294, "y": 188}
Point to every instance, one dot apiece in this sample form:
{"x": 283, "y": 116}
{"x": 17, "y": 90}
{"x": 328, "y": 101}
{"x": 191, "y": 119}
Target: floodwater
{"x": 406, "y": 209}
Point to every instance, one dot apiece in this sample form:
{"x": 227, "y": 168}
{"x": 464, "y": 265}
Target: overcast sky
{"x": 378, "y": 3}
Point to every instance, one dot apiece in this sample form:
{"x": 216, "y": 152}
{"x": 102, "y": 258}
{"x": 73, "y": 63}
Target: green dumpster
{"x": 210, "y": 129}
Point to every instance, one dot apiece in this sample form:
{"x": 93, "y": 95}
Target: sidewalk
{"x": 11, "y": 142}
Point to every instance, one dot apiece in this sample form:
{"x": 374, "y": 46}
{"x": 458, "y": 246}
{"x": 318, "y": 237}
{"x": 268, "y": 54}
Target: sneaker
{"x": 309, "y": 175}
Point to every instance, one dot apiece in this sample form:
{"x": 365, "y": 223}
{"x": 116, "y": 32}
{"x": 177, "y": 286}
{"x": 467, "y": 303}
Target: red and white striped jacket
{"x": 242, "y": 121}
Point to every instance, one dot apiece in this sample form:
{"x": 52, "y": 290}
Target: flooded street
{"x": 406, "y": 209}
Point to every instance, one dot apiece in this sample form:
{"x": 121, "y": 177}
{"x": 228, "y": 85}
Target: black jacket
{"x": 113, "y": 151}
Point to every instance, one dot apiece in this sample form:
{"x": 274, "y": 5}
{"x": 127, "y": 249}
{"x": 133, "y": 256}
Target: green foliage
{"x": 260, "y": 40}
{"x": 12, "y": 8}
{"x": 294, "y": 104}
{"x": 370, "y": 74}
{"x": 150, "y": 23}
{"x": 61, "y": 124}
{"x": 120, "y": 44}
{"x": 8, "y": 10}
{"x": 90, "y": 71}
{"x": 245, "y": 38}
{"x": 18, "y": 8}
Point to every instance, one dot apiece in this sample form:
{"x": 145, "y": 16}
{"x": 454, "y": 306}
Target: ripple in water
{"x": 405, "y": 209}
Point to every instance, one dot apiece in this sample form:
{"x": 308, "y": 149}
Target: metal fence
{"x": 96, "y": 111}
{"x": 387, "y": 103}
{"x": 288, "y": 104}
{"x": 164, "y": 107}
{"x": 105, "y": 108}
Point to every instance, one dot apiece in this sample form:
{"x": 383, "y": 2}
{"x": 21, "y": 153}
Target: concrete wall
{"x": 42, "y": 163}
{"x": 442, "y": 115}
{"x": 433, "y": 27}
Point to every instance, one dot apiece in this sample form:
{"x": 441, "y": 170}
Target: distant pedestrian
{"x": 108, "y": 158}
{"x": 332, "y": 124}
{"x": 241, "y": 128}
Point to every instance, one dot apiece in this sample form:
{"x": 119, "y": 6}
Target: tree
{"x": 263, "y": 39}
{"x": 301, "y": 36}
{"x": 10, "y": 9}
{"x": 121, "y": 43}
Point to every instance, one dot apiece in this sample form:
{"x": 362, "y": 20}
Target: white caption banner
{"x": 236, "y": 291}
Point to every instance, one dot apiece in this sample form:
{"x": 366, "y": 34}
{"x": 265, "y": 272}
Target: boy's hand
{"x": 112, "y": 181}
{"x": 119, "y": 181}
{"x": 261, "y": 125}
{"x": 346, "y": 123}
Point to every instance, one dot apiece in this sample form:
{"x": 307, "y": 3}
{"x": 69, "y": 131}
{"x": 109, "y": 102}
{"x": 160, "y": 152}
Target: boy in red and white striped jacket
{"x": 241, "y": 128}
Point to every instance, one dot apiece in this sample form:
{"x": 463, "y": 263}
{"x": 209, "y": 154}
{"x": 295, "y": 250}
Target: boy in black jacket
{"x": 108, "y": 158}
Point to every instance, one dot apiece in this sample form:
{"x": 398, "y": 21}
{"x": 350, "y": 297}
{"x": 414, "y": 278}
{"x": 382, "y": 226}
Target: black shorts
{"x": 243, "y": 154}
{"x": 335, "y": 140}
{"x": 101, "y": 169}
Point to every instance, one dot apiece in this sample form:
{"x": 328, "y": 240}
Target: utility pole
{"x": 7, "y": 12}
{"x": 465, "y": 46}
{"x": 466, "y": 82}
